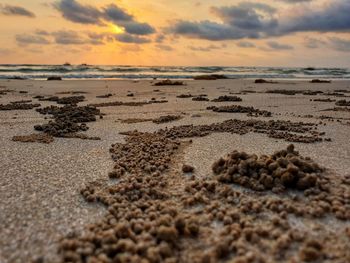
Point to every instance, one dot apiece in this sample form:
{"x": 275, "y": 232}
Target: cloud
{"x": 63, "y": 37}
{"x": 128, "y": 38}
{"x": 257, "y": 20}
{"x": 313, "y": 43}
{"x": 138, "y": 28}
{"x": 164, "y": 47}
{"x": 339, "y": 44}
{"x": 334, "y": 17}
{"x": 11, "y": 10}
{"x": 295, "y": 1}
{"x": 26, "y": 39}
{"x": 207, "y": 48}
{"x": 86, "y": 14}
{"x": 245, "y": 44}
{"x": 78, "y": 13}
{"x": 160, "y": 38}
{"x": 42, "y": 32}
{"x": 277, "y": 46}
{"x": 5, "y": 51}
{"x": 116, "y": 14}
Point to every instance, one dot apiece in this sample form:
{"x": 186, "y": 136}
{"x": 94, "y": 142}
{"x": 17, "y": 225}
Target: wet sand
{"x": 40, "y": 184}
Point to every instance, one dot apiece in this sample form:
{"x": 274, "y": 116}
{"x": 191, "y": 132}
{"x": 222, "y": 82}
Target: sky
{"x": 290, "y": 33}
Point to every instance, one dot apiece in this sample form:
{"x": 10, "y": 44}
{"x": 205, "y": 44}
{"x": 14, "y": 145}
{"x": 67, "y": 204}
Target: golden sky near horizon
{"x": 182, "y": 32}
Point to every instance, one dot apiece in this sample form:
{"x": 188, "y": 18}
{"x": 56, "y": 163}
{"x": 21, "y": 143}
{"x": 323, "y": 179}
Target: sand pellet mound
{"x": 263, "y": 81}
{"x": 169, "y": 82}
{"x": 251, "y": 111}
{"x": 184, "y": 96}
{"x": 68, "y": 120}
{"x": 104, "y": 96}
{"x": 18, "y": 106}
{"x": 227, "y": 98}
{"x": 320, "y": 81}
{"x": 343, "y": 103}
{"x": 155, "y": 214}
{"x": 63, "y": 100}
{"x": 324, "y": 100}
{"x": 167, "y": 118}
{"x": 200, "y": 98}
{"x": 283, "y": 170}
{"x": 36, "y": 137}
{"x": 286, "y": 130}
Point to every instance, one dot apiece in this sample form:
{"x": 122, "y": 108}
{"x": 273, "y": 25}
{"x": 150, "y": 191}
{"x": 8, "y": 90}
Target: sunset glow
{"x": 227, "y": 32}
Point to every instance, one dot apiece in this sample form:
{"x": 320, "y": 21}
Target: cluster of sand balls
{"x": 200, "y": 98}
{"x": 68, "y": 120}
{"x": 158, "y": 215}
{"x": 282, "y": 170}
{"x": 63, "y": 100}
{"x": 18, "y": 106}
{"x": 144, "y": 152}
{"x": 36, "y": 137}
{"x": 342, "y": 103}
{"x": 225, "y": 98}
{"x": 251, "y": 111}
{"x": 166, "y": 118}
{"x": 287, "y": 130}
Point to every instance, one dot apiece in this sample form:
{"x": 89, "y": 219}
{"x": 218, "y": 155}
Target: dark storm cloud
{"x": 27, "y": 39}
{"x": 128, "y": 38}
{"x": 85, "y": 14}
{"x": 277, "y": 46}
{"x": 256, "y": 20}
{"x": 11, "y": 10}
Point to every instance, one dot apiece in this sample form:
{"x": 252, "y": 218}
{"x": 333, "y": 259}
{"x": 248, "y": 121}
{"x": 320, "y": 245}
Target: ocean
{"x": 144, "y": 72}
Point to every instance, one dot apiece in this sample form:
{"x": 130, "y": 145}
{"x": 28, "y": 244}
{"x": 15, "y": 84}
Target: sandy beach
{"x": 52, "y": 194}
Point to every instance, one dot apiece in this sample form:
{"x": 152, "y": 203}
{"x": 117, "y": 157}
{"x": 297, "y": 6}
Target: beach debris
{"x": 54, "y": 78}
{"x": 210, "y": 77}
{"x": 320, "y": 81}
{"x": 227, "y": 98}
{"x": 104, "y": 96}
{"x": 169, "y": 82}
{"x": 251, "y": 111}
{"x": 263, "y": 81}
